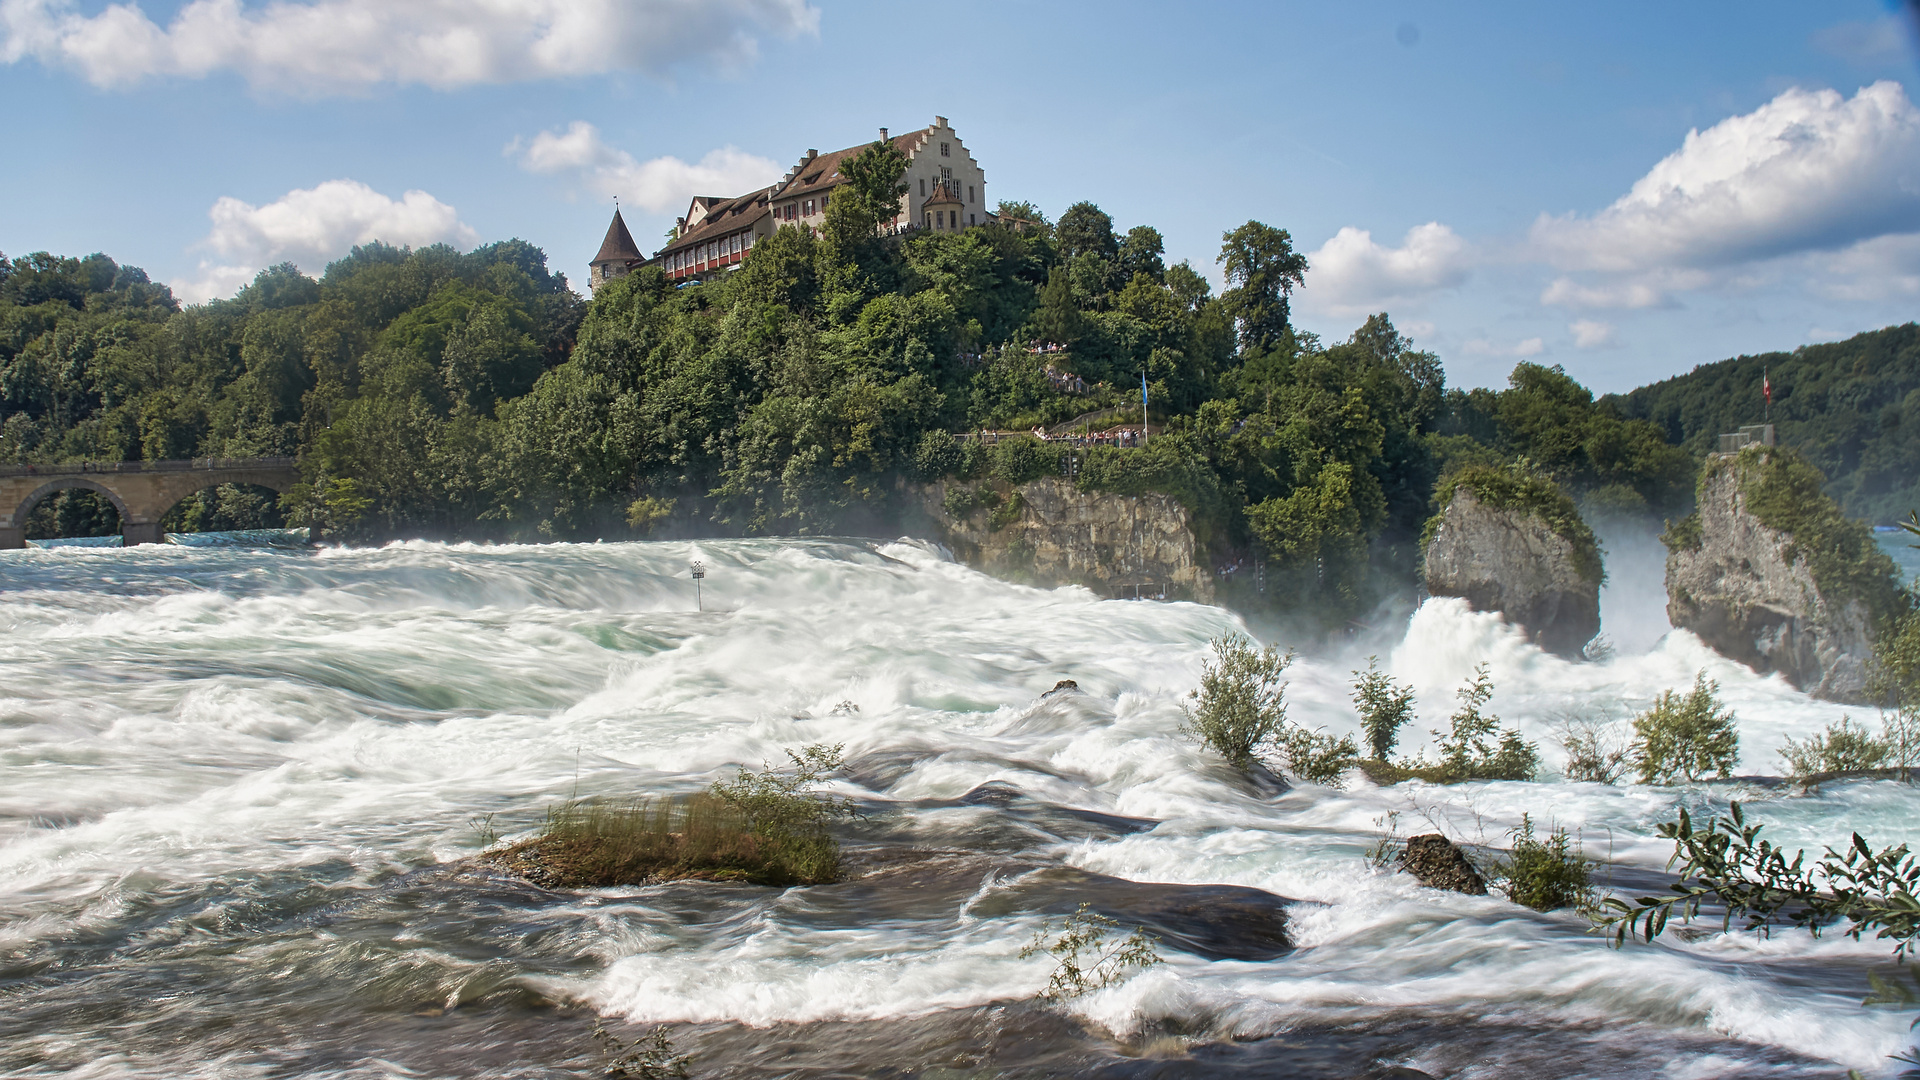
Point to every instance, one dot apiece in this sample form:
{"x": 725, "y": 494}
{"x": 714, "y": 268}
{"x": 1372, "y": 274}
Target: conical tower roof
{"x": 618, "y": 246}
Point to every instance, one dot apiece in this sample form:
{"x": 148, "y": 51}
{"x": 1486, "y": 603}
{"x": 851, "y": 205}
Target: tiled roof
{"x": 619, "y": 245}
{"x": 725, "y": 217}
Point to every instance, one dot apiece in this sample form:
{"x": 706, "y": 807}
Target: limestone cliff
{"x": 1768, "y": 572}
{"x": 1047, "y": 532}
{"x": 1516, "y": 545}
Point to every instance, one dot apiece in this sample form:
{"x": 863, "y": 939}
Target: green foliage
{"x": 647, "y": 511}
{"x": 1315, "y": 756}
{"x": 1476, "y": 746}
{"x": 1895, "y": 679}
{"x": 1726, "y": 861}
{"x": 768, "y": 828}
{"x": 1597, "y": 751}
{"x": 1262, "y": 271}
{"x": 1849, "y": 407}
{"x": 1546, "y": 874}
{"x": 1683, "y": 535}
{"x": 1384, "y": 706}
{"x": 1240, "y": 708}
{"x": 1085, "y": 962}
{"x": 1842, "y": 747}
{"x": 1519, "y": 489}
{"x": 1783, "y": 490}
{"x": 647, "y": 1057}
{"x": 1687, "y": 737}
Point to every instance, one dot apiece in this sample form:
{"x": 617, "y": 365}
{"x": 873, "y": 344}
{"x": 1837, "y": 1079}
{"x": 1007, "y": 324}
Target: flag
{"x": 1766, "y": 387}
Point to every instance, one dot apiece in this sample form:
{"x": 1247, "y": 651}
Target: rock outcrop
{"x": 1516, "y": 545}
{"x": 1440, "y": 864}
{"x": 1047, "y": 532}
{"x": 1745, "y": 573}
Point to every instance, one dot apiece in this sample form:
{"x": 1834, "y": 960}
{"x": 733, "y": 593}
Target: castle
{"x": 946, "y": 191}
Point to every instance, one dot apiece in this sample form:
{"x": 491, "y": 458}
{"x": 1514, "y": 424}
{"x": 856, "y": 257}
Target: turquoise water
{"x": 239, "y": 786}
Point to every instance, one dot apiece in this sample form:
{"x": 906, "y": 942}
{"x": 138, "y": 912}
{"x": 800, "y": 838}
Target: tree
{"x": 1384, "y": 706}
{"x": 871, "y": 196}
{"x": 1140, "y": 253}
{"x": 1085, "y": 229}
{"x": 1264, "y": 270}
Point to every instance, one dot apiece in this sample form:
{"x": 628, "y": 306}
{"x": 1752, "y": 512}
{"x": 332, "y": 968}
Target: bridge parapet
{"x": 142, "y": 491}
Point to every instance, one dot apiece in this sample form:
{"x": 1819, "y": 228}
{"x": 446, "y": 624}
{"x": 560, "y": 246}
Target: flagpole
{"x": 1143, "y": 408}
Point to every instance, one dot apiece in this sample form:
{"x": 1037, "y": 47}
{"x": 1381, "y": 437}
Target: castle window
{"x": 923, "y": 187}
{"x": 946, "y": 150}
{"x": 809, "y": 210}
{"x": 749, "y": 242}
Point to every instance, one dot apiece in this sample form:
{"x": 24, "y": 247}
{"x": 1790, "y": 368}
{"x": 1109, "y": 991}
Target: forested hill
{"x": 436, "y": 393}
{"x": 1853, "y": 407}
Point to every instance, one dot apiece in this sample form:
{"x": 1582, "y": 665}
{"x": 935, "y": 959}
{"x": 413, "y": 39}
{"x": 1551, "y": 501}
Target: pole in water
{"x": 699, "y": 572}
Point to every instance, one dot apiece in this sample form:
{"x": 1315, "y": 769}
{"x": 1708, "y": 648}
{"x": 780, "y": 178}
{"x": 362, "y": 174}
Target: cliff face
{"x": 1511, "y": 560}
{"x": 1749, "y": 591}
{"x": 1046, "y": 532}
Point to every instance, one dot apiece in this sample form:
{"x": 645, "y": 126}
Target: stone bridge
{"x": 143, "y": 491}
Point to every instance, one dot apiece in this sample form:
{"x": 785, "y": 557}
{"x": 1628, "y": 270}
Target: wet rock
{"x": 1218, "y": 922}
{"x": 1061, "y": 687}
{"x": 1516, "y": 545}
{"x": 1439, "y": 864}
{"x": 1750, "y": 592}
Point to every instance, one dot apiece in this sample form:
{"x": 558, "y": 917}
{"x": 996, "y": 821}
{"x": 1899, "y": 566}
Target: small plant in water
{"x": 1842, "y": 747}
{"x": 1598, "y": 750}
{"x": 649, "y": 1057}
{"x": 1686, "y": 737}
{"x": 1240, "y": 708}
{"x": 1546, "y": 874}
{"x": 1086, "y": 962}
{"x": 1478, "y": 747}
{"x": 1384, "y": 706}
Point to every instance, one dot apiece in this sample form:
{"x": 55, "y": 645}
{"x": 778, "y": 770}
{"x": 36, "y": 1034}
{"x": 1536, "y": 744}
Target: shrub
{"x": 1086, "y": 962}
{"x": 1006, "y": 513}
{"x": 1023, "y": 458}
{"x": 1477, "y": 747}
{"x": 1384, "y": 706}
{"x": 959, "y": 502}
{"x": 1842, "y": 747}
{"x": 1597, "y": 750}
{"x": 1548, "y": 874}
{"x": 1240, "y": 708}
{"x": 1316, "y": 757}
{"x": 766, "y": 828}
{"x": 649, "y": 1057}
{"x": 938, "y": 454}
{"x": 1686, "y": 737}
{"x": 1786, "y": 492}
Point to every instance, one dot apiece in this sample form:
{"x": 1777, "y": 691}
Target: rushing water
{"x": 239, "y": 786}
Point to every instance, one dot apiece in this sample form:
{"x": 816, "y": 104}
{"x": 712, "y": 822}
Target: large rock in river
{"x": 1769, "y": 571}
{"x": 1515, "y": 544}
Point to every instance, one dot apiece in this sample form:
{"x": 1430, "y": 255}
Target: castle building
{"x": 946, "y": 192}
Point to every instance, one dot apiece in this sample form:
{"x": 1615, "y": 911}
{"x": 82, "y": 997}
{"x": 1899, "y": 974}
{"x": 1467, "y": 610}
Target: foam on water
{"x": 197, "y": 745}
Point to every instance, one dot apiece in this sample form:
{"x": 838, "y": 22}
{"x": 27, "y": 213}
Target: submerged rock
{"x": 1516, "y": 545}
{"x": 1440, "y": 864}
{"x": 1769, "y": 572}
{"x": 1218, "y": 922}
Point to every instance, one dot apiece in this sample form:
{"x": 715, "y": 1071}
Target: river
{"x": 239, "y": 789}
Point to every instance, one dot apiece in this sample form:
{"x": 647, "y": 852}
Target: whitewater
{"x": 241, "y": 790}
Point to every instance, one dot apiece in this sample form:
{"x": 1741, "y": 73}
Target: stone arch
{"x": 64, "y": 483}
{"x": 174, "y": 495}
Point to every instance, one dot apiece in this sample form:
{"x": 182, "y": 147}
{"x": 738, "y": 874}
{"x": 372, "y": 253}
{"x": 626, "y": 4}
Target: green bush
{"x": 1597, "y": 752}
{"x": 1683, "y": 535}
{"x": 1240, "y": 709}
{"x": 1023, "y": 458}
{"x": 1384, "y": 706}
{"x": 1477, "y": 747}
{"x": 1686, "y": 737}
{"x": 960, "y": 501}
{"x": 1842, "y": 747}
{"x": 1315, "y": 756}
{"x": 1006, "y": 512}
{"x": 1784, "y": 491}
{"x": 1085, "y": 962}
{"x": 1546, "y": 874}
{"x": 938, "y": 454}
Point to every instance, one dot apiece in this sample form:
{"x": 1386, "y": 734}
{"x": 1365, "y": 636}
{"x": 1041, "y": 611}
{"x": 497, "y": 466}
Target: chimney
{"x": 883, "y": 134}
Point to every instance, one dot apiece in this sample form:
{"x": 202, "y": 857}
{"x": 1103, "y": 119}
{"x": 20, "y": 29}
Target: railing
{"x": 72, "y": 468}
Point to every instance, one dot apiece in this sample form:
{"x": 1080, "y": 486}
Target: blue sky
{"x": 1625, "y": 189}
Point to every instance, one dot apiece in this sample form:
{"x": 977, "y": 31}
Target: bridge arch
{"x": 142, "y": 492}
{"x": 66, "y": 483}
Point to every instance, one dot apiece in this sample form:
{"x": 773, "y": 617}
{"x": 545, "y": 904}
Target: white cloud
{"x": 313, "y": 226}
{"x": 330, "y": 46}
{"x": 661, "y": 185}
{"x": 1808, "y": 171}
{"x": 1351, "y": 273}
{"x": 1591, "y": 333}
{"x": 1532, "y": 346}
{"x": 1646, "y": 291}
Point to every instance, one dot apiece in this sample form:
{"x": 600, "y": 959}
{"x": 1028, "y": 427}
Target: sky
{"x": 1626, "y": 190}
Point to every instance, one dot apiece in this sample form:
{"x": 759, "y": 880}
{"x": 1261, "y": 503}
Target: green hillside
{"x": 1852, "y": 407}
